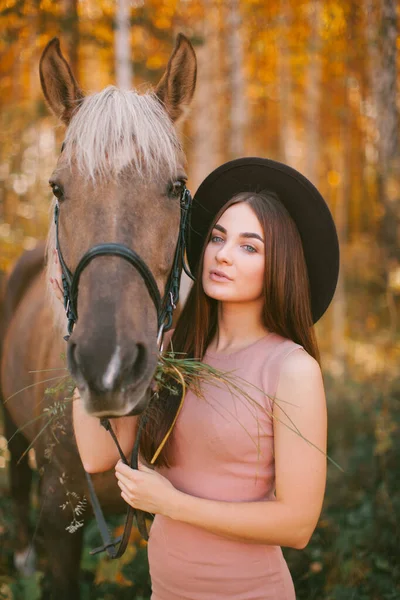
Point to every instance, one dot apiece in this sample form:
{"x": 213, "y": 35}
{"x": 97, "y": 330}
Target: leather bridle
{"x": 164, "y": 306}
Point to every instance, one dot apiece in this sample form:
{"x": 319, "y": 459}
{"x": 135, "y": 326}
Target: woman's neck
{"x": 239, "y": 325}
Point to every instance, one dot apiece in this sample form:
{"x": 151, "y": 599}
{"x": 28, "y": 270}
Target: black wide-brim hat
{"x": 302, "y": 200}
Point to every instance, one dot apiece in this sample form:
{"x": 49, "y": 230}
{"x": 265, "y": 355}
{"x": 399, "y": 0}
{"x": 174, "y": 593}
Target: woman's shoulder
{"x": 298, "y": 372}
{"x": 300, "y": 364}
{"x": 293, "y": 356}
{"x": 288, "y": 364}
{"x": 275, "y": 346}
{"x": 301, "y": 378}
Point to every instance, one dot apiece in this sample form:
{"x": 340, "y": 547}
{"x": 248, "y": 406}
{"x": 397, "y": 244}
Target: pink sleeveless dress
{"x": 223, "y": 450}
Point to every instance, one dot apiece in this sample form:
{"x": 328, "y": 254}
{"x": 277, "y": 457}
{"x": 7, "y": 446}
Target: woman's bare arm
{"x": 96, "y": 447}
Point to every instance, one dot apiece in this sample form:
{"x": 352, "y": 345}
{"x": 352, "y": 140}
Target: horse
{"x": 118, "y": 180}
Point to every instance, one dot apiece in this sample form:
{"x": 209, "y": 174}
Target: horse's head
{"x": 118, "y": 180}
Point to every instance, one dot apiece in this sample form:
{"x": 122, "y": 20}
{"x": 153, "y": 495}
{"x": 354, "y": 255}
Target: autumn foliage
{"x": 311, "y": 83}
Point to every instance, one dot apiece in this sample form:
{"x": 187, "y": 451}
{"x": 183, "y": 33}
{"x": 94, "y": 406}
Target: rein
{"x": 165, "y": 307}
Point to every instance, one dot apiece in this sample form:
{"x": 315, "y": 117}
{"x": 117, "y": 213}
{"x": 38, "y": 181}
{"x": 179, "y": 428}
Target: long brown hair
{"x": 287, "y": 307}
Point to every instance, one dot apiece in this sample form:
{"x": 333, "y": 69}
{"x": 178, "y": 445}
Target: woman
{"x": 238, "y": 480}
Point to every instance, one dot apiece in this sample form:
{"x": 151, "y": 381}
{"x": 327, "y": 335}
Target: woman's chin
{"x": 221, "y": 295}
{"x": 216, "y": 290}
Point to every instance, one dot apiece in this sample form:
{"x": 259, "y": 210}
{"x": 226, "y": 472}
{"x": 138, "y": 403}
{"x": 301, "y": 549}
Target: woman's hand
{"x": 56, "y": 279}
{"x": 146, "y": 489}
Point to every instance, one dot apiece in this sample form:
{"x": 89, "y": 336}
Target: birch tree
{"x": 388, "y": 124}
{"x": 70, "y": 28}
{"x": 382, "y": 53}
{"x": 313, "y": 92}
{"x": 285, "y": 83}
{"x": 122, "y": 46}
{"x": 236, "y": 81}
{"x": 205, "y": 124}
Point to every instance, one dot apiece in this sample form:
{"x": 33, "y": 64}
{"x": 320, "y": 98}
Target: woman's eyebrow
{"x": 245, "y": 234}
{"x": 252, "y": 235}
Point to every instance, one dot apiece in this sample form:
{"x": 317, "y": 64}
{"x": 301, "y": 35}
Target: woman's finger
{"x": 125, "y": 480}
{"x": 123, "y": 469}
{"x": 127, "y": 499}
{"x": 124, "y": 488}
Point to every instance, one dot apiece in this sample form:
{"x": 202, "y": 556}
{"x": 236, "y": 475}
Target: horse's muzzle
{"x": 112, "y": 386}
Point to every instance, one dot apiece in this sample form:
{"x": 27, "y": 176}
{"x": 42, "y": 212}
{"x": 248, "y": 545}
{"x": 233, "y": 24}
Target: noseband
{"x": 164, "y": 306}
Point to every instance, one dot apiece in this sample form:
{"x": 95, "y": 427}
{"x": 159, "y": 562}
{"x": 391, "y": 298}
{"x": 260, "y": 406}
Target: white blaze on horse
{"x": 118, "y": 181}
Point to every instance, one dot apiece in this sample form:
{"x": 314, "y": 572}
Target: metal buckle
{"x": 172, "y": 300}
{"x": 186, "y": 199}
{"x": 160, "y": 337}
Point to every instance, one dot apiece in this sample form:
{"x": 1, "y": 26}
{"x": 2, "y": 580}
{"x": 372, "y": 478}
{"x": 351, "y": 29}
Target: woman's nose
{"x": 224, "y": 254}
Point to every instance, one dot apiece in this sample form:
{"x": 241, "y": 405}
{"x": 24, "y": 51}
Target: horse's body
{"x": 115, "y": 315}
{"x": 42, "y": 352}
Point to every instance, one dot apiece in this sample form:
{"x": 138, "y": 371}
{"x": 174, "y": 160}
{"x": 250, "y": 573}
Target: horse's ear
{"x": 59, "y": 86}
{"x": 176, "y": 87}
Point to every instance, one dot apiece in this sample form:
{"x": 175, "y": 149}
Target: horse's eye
{"x": 175, "y": 188}
{"x": 57, "y": 190}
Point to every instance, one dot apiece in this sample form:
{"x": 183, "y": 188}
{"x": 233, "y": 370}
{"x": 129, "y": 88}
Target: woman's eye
{"x": 175, "y": 188}
{"x": 57, "y": 190}
{"x": 216, "y": 238}
{"x": 249, "y": 248}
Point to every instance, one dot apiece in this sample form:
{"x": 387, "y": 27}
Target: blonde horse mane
{"x": 114, "y": 128}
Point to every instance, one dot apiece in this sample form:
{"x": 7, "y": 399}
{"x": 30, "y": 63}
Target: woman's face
{"x": 234, "y": 262}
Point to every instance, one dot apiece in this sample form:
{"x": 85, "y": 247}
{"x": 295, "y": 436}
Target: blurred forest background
{"x": 313, "y": 84}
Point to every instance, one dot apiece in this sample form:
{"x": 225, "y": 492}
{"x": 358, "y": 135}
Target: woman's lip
{"x": 219, "y": 276}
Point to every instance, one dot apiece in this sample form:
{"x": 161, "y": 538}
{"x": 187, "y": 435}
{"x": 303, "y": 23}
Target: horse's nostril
{"x": 103, "y": 373}
{"x": 71, "y": 353}
{"x": 139, "y": 365}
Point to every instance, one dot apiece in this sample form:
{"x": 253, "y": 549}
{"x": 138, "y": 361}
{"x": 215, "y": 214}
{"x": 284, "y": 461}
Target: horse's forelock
{"x": 114, "y": 128}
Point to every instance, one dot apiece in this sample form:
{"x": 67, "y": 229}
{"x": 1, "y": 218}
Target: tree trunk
{"x": 122, "y": 46}
{"x": 205, "y": 153}
{"x": 287, "y": 130}
{"x": 339, "y": 305}
{"x": 70, "y": 27}
{"x": 382, "y": 46}
{"x": 313, "y": 95}
{"x": 236, "y": 82}
{"x": 388, "y": 124}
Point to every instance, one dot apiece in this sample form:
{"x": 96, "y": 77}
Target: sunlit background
{"x": 310, "y": 83}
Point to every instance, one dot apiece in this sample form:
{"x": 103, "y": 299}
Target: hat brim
{"x": 304, "y": 203}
